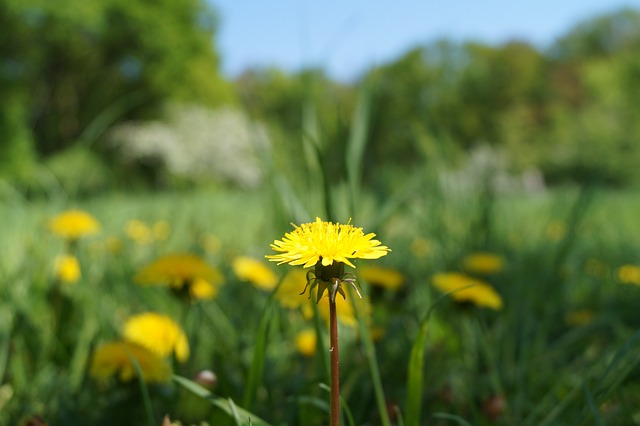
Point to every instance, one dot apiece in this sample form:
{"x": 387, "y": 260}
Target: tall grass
{"x": 416, "y": 357}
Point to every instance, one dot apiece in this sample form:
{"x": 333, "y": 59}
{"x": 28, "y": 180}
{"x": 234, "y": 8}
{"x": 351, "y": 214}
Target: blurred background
{"x": 150, "y": 151}
{"x": 117, "y": 95}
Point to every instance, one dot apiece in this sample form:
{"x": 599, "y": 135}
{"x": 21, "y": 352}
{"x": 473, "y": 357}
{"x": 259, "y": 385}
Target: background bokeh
{"x": 519, "y": 154}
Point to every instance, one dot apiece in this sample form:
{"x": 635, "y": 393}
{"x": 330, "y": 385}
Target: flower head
{"x": 328, "y": 247}
{"x": 181, "y": 272}
{"x": 74, "y": 224}
{"x": 467, "y": 289}
{"x": 327, "y": 242}
{"x": 158, "y": 333}
{"x": 483, "y": 263}
{"x": 254, "y": 271}
{"x": 115, "y": 358}
{"x": 67, "y": 269}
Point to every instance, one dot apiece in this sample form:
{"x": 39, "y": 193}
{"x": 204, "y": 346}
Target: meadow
{"x": 557, "y": 346}
{"x": 142, "y": 193}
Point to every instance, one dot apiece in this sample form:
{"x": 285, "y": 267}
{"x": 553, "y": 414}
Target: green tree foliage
{"x": 600, "y": 37}
{"x": 303, "y": 105}
{"x": 569, "y": 111}
{"x": 72, "y": 67}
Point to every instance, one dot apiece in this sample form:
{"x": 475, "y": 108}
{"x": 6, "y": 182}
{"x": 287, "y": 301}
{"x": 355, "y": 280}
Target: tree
{"x": 75, "y": 67}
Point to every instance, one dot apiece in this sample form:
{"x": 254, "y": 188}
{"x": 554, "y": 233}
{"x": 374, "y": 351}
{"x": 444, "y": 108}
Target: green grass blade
{"x": 5, "y": 342}
{"x": 234, "y": 412}
{"x": 245, "y": 417}
{"x": 617, "y": 371}
{"x": 370, "y": 352}
{"x": 343, "y": 403}
{"x": 356, "y": 145}
{"x": 556, "y": 409}
{"x": 257, "y": 365}
{"x": 81, "y": 352}
{"x": 414, "y": 380}
{"x": 592, "y": 406}
{"x": 452, "y": 417}
{"x": 416, "y": 366}
{"x": 144, "y": 391}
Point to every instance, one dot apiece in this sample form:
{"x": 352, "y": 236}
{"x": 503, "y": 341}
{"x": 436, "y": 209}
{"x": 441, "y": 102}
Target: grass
{"x": 521, "y": 365}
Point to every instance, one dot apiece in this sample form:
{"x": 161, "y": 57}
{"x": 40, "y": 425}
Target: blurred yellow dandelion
{"x": 254, "y": 271}
{"x": 420, "y": 247}
{"x": 138, "y": 231}
{"x": 161, "y": 230}
{"x": 288, "y": 294}
{"x": 344, "y": 308}
{"x": 203, "y": 290}
{"x": 556, "y": 230}
{"x": 74, "y": 224}
{"x": 579, "y": 317}
{"x": 67, "y": 269}
{"x": 483, "y": 263}
{"x": 382, "y": 277}
{"x": 306, "y": 342}
{"x": 629, "y": 274}
{"x": 158, "y": 333}
{"x": 326, "y": 242}
{"x": 467, "y": 289}
{"x": 115, "y": 358}
{"x": 211, "y": 244}
{"x": 113, "y": 244}
{"x": 596, "y": 268}
{"x": 178, "y": 271}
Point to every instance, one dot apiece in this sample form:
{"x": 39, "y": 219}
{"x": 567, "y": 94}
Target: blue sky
{"x": 347, "y": 37}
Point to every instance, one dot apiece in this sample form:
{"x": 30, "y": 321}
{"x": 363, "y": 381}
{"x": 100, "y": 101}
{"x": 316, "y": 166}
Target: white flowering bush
{"x": 198, "y": 144}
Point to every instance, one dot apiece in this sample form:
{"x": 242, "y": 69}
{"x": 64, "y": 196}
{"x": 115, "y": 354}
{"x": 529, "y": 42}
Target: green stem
{"x": 335, "y": 373}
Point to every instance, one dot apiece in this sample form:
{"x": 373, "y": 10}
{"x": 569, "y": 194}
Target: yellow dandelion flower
{"x": 326, "y": 242}
{"x": 178, "y": 271}
{"x": 67, "y": 269}
{"x": 158, "y": 333}
{"x": 629, "y": 274}
{"x": 203, "y": 290}
{"x": 483, "y": 263}
{"x": 74, "y": 224}
{"x": 467, "y": 289}
{"x": 254, "y": 271}
{"x": 306, "y": 342}
{"x": 115, "y": 358}
{"x": 328, "y": 247}
{"x": 138, "y": 231}
{"x": 382, "y": 277}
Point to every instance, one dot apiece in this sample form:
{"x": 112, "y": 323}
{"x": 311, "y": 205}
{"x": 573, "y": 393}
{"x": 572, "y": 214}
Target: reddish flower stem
{"x": 335, "y": 375}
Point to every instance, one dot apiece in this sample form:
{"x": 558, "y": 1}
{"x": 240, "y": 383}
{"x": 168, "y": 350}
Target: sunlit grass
{"x": 539, "y": 359}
